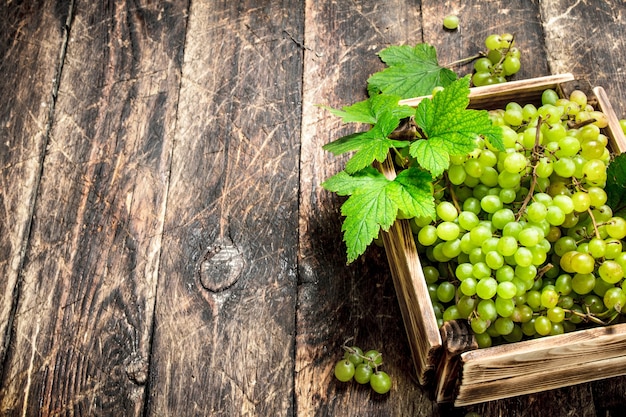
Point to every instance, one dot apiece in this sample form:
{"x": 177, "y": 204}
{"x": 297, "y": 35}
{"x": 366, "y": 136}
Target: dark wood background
{"x": 165, "y": 246}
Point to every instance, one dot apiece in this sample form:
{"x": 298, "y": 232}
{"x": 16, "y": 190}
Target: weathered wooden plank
{"x": 587, "y": 38}
{"x": 553, "y": 362}
{"x": 31, "y": 39}
{"x": 224, "y": 326}
{"x": 82, "y": 331}
{"x": 338, "y": 301}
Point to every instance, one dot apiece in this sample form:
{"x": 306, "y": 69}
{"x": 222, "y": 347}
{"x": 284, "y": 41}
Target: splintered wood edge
{"x": 457, "y": 338}
{"x": 412, "y": 292}
{"x": 542, "y": 364}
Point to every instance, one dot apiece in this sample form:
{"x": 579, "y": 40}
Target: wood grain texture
{"x": 224, "y": 325}
{"x": 416, "y": 307}
{"x": 554, "y": 362}
{"x": 586, "y": 38}
{"x": 31, "y": 39}
{"x": 82, "y": 331}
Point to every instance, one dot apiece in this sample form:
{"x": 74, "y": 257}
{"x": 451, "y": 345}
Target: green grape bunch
{"x": 501, "y": 60}
{"x": 363, "y": 367}
{"x": 523, "y": 243}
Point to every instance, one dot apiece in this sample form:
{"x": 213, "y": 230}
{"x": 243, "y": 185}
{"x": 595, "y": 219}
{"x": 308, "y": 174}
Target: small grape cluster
{"x": 364, "y": 368}
{"x": 524, "y": 244}
{"x": 501, "y": 60}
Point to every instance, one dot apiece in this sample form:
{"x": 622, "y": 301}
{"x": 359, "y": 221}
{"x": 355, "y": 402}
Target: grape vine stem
{"x": 369, "y": 360}
{"x": 533, "y": 182}
{"x": 543, "y": 270}
{"x": 593, "y": 222}
{"x": 589, "y": 317}
{"x": 465, "y": 60}
{"x": 455, "y": 200}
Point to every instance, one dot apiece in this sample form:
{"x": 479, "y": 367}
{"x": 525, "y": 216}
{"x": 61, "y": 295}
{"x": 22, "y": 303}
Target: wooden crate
{"x": 448, "y": 358}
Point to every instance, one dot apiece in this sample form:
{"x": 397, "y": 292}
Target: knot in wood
{"x": 220, "y": 266}
{"x": 137, "y": 370}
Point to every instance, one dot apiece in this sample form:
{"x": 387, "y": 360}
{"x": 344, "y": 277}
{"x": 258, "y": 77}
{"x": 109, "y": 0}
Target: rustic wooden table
{"x": 165, "y": 247}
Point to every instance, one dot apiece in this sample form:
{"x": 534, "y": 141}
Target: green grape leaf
{"x": 343, "y": 183}
{"x": 412, "y": 71}
{"x": 375, "y": 200}
{"x": 375, "y": 148}
{"x": 416, "y": 197}
{"x": 359, "y": 112}
{"x": 616, "y": 185}
{"x": 373, "y": 145}
{"x": 347, "y": 143}
{"x": 450, "y": 128}
{"x": 368, "y": 111}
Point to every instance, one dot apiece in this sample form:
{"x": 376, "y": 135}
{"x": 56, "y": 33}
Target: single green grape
{"x": 482, "y": 78}
{"x": 504, "y": 325}
{"x": 445, "y": 292}
{"x": 363, "y": 373}
{"x": 344, "y": 370}
{"x": 354, "y": 354}
{"x": 380, "y": 382}
{"x": 427, "y": 235}
{"x": 543, "y": 325}
{"x": 611, "y": 271}
{"x": 549, "y": 96}
{"x": 451, "y": 22}
{"x": 451, "y": 313}
{"x": 484, "y": 65}
{"x": 446, "y": 211}
{"x": 616, "y": 228}
{"x": 511, "y": 65}
{"x": 615, "y": 298}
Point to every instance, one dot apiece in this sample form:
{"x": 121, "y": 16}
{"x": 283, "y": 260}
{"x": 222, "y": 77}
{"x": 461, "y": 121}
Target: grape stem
{"x": 573, "y": 125}
{"x": 593, "y": 222}
{"x": 535, "y": 158}
{"x": 370, "y": 361}
{"x": 543, "y": 270}
{"x": 465, "y": 60}
{"x": 404, "y": 160}
{"x": 588, "y": 316}
{"x": 503, "y": 56}
{"x": 455, "y": 201}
